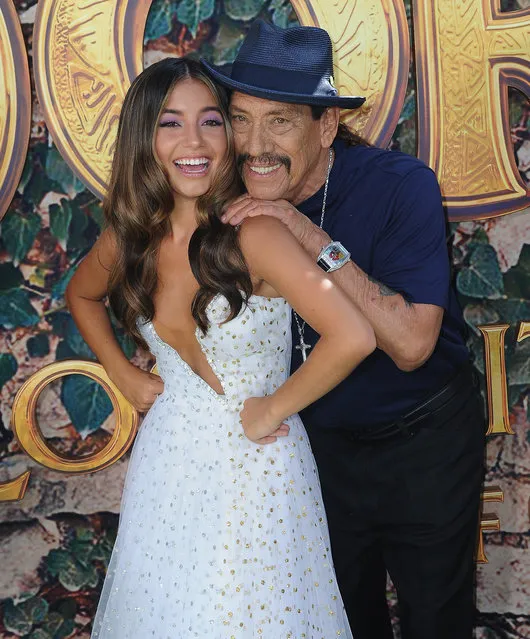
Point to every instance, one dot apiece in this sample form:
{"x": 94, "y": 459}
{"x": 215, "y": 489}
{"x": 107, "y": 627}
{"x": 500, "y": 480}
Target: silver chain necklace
{"x": 300, "y": 324}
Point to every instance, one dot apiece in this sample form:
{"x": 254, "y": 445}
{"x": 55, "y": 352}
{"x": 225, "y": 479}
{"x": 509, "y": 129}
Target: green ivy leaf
{"x": 92, "y": 578}
{"x": 65, "y": 630}
{"x": 19, "y": 231}
{"x": 127, "y": 344}
{"x": 512, "y": 311}
{"x": 483, "y": 277}
{"x": 479, "y": 314}
{"x": 193, "y": 12}
{"x": 77, "y": 240}
{"x": 158, "y": 21}
{"x": 73, "y": 576}
{"x": 35, "y": 609}
{"x": 53, "y": 622}
{"x": 514, "y": 394}
{"x": 10, "y": 276}
{"x": 75, "y": 340}
{"x": 38, "y": 186}
{"x": 516, "y": 284}
{"x": 60, "y": 218}
{"x": 243, "y": 9}
{"x": 524, "y": 259}
{"x": 58, "y": 322}
{"x": 86, "y": 403}
{"x": 16, "y": 309}
{"x": 95, "y": 210}
{"x": 84, "y": 534}
{"x": 8, "y": 367}
{"x": 99, "y": 553}
{"x": 62, "y": 174}
{"x": 517, "y": 279}
{"x": 476, "y": 347}
{"x": 15, "y": 619}
{"x": 40, "y": 633}
{"x": 63, "y": 351}
{"x": 480, "y": 236}
{"x": 282, "y": 12}
{"x": 56, "y": 560}
{"x": 38, "y": 345}
{"x": 26, "y": 172}
{"x": 59, "y": 288}
{"x": 67, "y": 608}
{"x": 519, "y": 369}
{"x": 409, "y": 108}
{"x": 227, "y": 42}
{"x": 81, "y": 546}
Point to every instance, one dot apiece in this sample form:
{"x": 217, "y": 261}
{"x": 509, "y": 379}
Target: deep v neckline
{"x": 189, "y": 370}
{"x": 197, "y": 334}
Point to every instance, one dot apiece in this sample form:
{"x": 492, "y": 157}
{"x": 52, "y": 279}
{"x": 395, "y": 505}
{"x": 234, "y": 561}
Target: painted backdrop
{"x": 56, "y": 541}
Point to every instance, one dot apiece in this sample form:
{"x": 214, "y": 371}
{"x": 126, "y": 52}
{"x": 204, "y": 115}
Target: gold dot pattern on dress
{"x": 220, "y": 538}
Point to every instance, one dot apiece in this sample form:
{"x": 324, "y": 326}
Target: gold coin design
{"x": 85, "y": 57}
{"x": 15, "y": 103}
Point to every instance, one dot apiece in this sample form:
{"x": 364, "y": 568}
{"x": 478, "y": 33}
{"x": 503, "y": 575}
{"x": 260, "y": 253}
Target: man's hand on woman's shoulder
{"x": 246, "y": 206}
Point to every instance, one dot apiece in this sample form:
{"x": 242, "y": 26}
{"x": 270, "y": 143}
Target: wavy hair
{"x": 140, "y": 201}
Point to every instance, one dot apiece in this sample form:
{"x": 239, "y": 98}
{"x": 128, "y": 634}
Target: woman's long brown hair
{"x": 140, "y": 201}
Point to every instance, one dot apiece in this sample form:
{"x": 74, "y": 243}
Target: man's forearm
{"x": 393, "y": 318}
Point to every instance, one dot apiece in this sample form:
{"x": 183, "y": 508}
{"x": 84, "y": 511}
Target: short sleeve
{"x": 411, "y": 251}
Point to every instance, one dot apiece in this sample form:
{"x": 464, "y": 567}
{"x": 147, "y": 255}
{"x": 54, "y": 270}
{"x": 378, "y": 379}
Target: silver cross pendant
{"x": 303, "y": 347}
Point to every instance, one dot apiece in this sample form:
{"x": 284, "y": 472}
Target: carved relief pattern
{"x": 81, "y": 79}
{"x": 15, "y": 101}
{"x": 465, "y": 61}
{"x": 366, "y": 34}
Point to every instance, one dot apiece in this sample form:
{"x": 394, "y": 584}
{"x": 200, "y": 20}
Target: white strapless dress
{"x": 220, "y": 538}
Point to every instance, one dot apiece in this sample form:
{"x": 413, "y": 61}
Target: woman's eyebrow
{"x": 205, "y": 110}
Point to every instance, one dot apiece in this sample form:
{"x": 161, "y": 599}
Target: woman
{"x": 219, "y": 536}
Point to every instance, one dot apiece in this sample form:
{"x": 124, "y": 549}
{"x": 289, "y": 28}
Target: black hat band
{"x": 275, "y": 79}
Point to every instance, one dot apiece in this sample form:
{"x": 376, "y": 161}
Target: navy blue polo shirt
{"x": 385, "y": 207}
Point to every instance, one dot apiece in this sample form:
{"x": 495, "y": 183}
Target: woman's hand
{"x": 138, "y": 387}
{"x": 259, "y": 423}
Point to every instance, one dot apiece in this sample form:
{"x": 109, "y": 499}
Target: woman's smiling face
{"x": 190, "y": 139}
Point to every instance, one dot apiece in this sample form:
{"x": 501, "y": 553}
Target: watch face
{"x": 333, "y": 256}
{"x": 336, "y": 254}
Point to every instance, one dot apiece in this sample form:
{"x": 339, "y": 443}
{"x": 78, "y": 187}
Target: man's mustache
{"x": 264, "y": 159}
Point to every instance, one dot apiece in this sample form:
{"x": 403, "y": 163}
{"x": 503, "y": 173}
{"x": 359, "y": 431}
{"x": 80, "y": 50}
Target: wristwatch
{"x": 332, "y": 257}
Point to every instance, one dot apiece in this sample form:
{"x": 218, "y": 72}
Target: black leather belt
{"x": 461, "y": 385}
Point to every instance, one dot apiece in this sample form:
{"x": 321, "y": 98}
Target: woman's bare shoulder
{"x": 106, "y": 248}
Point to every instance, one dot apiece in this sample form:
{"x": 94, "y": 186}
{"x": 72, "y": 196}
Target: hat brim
{"x": 344, "y": 102}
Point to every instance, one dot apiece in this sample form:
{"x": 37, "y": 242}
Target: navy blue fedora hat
{"x": 285, "y": 65}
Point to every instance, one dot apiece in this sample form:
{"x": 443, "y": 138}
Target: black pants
{"x": 411, "y": 507}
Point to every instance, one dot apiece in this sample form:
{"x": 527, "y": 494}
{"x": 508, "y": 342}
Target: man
{"x": 400, "y": 443}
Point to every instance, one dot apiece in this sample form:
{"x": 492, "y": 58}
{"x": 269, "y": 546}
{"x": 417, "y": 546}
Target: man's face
{"x": 278, "y": 147}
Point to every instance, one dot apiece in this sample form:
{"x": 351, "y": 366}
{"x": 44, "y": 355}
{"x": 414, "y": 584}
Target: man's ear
{"x": 329, "y": 123}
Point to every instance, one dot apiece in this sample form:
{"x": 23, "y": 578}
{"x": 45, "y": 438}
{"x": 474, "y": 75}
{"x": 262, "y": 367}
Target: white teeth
{"x": 192, "y": 161}
{"x": 263, "y": 170}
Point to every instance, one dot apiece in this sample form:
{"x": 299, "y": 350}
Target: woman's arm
{"x": 346, "y": 338}
{"x": 85, "y": 298}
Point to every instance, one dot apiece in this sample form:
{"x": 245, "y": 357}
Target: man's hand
{"x": 300, "y": 226}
